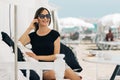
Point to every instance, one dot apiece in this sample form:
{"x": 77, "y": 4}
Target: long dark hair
{"x": 40, "y": 10}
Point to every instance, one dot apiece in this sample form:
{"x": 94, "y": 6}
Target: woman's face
{"x": 44, "y": 18}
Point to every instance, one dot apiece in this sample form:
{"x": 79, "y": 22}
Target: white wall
{"x": 25, "y": 13}
{"x": 4, "y": 17}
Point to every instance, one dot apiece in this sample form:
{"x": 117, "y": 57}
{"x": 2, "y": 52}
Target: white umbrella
{"x": 89, "y": 25}
{"x": 116, "y": 19}
{"x": 70, "y": 21}
{"x": 106, "y": 20}
{"x": 109, "y": 20}
{"x": 114, "y": 26}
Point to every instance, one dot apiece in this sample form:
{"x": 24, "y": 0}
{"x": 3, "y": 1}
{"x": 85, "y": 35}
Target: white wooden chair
{"x": 36, "y": 66}
{"x": 8, "y": 67}
{"x": 40, "y": 66}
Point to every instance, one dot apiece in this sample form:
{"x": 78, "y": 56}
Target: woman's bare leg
{"x": 70, "y": 74}
{"x": 49, "y": 75}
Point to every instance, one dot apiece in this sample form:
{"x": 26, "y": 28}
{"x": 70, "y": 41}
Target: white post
{"x": 59, "y": 67}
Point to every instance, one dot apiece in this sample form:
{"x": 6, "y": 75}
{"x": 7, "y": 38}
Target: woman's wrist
{"x": 30, "y": 28}
{"x": 36, "y": 57}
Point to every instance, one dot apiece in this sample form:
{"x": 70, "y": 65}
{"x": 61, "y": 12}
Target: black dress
{"x": 43, "y": 45}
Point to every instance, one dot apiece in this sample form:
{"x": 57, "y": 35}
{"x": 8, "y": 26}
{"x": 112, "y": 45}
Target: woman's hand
{"x": 32, "y": 55}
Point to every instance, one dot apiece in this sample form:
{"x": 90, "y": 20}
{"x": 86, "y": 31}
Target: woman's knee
{"x": 70, "y": 74}
{"x": 49, "y": 75}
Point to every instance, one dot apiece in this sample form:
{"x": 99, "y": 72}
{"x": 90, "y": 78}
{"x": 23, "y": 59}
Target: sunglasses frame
{"x": 42, "y": 16}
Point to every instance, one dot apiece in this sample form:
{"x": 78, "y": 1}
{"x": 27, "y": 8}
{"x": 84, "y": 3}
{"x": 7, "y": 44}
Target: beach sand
{"x": 93, "y": 71}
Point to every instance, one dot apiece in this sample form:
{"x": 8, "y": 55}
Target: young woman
{"x": 45, "y": 43}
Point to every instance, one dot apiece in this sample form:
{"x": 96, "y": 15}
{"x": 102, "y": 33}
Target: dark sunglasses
{"x": 42, "y": 16}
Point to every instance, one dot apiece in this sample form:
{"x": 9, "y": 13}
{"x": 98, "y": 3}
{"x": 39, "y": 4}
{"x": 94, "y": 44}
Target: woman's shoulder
{"x": 32, "y": 33}
{"x": 55, "y": 32}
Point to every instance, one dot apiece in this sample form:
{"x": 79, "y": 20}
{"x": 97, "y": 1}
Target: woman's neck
{"x": 43, "y": 31}
{"x": 43, "y": 28}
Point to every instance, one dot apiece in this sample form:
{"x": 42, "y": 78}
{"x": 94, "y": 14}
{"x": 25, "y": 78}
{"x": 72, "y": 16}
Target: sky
{"x": 86, "y": 8}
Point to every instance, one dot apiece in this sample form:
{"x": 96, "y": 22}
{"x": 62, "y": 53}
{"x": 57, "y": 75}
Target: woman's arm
{"x": 24, "y": 39}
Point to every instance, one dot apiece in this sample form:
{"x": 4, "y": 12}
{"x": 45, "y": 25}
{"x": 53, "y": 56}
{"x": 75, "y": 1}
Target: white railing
{"x": 38, "y": 67}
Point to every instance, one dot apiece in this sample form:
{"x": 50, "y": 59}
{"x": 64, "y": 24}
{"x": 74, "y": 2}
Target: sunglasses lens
{"x": 42, "y": 16}
{"x": 47, "y": 16}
